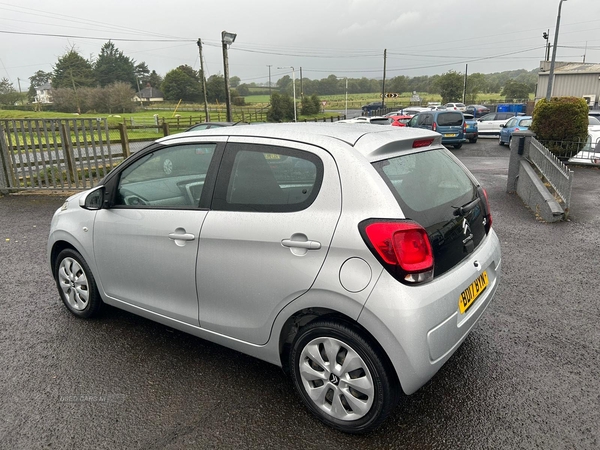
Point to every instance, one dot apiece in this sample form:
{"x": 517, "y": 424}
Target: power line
{"x": 94, "y": 38}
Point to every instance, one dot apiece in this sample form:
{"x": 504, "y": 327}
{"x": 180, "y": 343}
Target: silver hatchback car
{"x": 356, "y": 258}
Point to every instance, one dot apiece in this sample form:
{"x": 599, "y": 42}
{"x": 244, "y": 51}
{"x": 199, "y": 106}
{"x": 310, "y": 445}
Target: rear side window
{"x": 527, "y": 123}
{"x": 261, "y": 178}
{"x": 450, "y": 119}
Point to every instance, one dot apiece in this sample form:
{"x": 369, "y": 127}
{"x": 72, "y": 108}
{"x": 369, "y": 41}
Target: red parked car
{"x": 400, "y": 121}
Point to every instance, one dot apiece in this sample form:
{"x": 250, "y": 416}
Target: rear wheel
{"x": 457, "y": 146}
{"x": 342, "y": 378}
{"x": 76, "y": 284}
{"x": 473, "y": 140}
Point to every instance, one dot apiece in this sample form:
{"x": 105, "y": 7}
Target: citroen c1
{"x": 359, "y": 265}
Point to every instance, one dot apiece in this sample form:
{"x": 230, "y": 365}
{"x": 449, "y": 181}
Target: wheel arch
{"x": 306, "y": 316}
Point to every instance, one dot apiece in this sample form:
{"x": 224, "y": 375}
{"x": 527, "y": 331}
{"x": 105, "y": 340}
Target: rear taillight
{"x": 516, "y": 129}
{"x": 434, "y": 126}
{"x": 488, "y": 211}
{"x": 402, "y": 246}
{"x": 464, "y": 127}
{"x": 422, "y": 143}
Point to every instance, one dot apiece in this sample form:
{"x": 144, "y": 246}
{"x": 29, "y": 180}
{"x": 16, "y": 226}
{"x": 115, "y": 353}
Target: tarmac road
{"x": 526, "y": 377}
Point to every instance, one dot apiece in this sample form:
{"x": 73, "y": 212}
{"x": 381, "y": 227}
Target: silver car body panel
{"x": 419, "y": 327}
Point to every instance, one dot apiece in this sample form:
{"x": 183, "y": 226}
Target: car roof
{"x": 373, "y": 142}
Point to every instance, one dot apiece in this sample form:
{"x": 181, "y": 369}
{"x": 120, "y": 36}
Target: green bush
{"x": 561, "y": 123}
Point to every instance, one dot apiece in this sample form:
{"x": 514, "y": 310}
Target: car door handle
{"x": 182, "y": 236}
{"x": 308, "y": 245}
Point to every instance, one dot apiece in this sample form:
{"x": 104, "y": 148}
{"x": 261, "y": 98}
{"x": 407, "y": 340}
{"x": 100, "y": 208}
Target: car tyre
{"x": 342, "y": 377}
{"x": 458, "y": 146}
{"x": 472, "y": 141}
{"x": 500, "y": 140}
{"x": 76, "y": 284}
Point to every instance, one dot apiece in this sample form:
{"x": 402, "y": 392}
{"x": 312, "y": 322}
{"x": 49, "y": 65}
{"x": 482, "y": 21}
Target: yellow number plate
{"x": 469, "y": 295}
{"x": 450, "y": 135}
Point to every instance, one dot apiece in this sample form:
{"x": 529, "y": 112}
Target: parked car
{"x": 456, "y": 106}
{"x": 450, "y": 124}
{"x": 590, "y": 153}
{"x": 360, "y": 271}
{"x": 489, "y": 125}
{"x": 518, "y": 123}
{"x": 374, "y": 120}
{"x": 371, "y": 107}
{"x": 400, "y": 120}
{"x": 593, "y": 123}
{"x": 471, "y": 132}
{"x": 413, "y": 110}
{"x": 477, "y": 110}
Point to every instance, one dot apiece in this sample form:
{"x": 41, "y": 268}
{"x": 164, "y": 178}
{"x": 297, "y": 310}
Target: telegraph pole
{"x": 206, "y": 114}
{"x": 383, "y": 84}
{"x": 269, "y": 66}
{"x": 465, "y": 84}
{"x": 301, "y": 86}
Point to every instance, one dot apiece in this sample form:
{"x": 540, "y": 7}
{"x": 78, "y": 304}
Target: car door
{"x": 272, "y": 219}
{"x": 146, "y": 242}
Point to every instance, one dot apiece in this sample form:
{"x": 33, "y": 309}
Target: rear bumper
{"x": 420, "y": 327}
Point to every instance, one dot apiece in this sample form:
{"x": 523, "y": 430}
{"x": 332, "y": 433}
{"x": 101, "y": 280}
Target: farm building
{"x": 571, "y": 79}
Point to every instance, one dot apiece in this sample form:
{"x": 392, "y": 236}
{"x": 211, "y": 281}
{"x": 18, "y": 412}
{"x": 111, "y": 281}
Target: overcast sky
{"x": 342, "y": 37}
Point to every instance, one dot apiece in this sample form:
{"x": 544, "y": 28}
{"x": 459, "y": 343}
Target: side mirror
{"x": 502, "y": 125}
{"x": 93, "y": 200}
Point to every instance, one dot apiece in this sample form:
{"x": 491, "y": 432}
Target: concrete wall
{"x": 523, "y": 180}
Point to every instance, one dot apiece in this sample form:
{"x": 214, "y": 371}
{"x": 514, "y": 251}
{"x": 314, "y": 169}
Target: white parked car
{"x": 375, "y": 120}
{"x": 456, "y": 106}
{"x": 590, "y": 153}
{"x": 490, "y": 124}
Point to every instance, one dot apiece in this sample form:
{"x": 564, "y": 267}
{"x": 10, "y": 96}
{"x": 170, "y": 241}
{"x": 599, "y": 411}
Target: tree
{"x": 113, "y": 66}
{"x": 72, "y": 71}
{"x": 179, "y": 84}
{"x": 8, "y": 93}
{"x": 476, "y": 83}
{"x": 310, "y": 105}
{"x": 282, "y": 108}
{"x": 215, "y": 89}
{"x": 515, "y": 90}
{"x": 154, "y": 79}
{"x": 451, "y": 86}
{"x": 234, "y": 81}
{"x": 36, "y": 80}
{"x": 142, "y": 73}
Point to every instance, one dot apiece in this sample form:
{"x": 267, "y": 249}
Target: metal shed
{"x": 571, "y": 79}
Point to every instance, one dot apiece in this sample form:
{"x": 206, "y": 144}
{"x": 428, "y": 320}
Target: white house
{"x": 149, "y": 94}
{"x": 43, "y": 94}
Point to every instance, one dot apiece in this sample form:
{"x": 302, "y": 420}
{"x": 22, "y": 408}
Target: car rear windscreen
{"x": 430, "y": 187}
{"x": 450, "y": 119}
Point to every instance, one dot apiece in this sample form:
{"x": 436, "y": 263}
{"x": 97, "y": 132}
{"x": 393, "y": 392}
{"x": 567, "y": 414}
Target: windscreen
{"x": 431, "y": 187}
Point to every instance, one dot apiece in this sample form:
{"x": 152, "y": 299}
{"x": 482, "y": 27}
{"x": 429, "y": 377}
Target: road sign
{"x": 391, "y": 95}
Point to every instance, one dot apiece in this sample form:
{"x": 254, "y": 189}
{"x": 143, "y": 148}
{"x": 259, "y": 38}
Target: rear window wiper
{"x": 462, "y": 210}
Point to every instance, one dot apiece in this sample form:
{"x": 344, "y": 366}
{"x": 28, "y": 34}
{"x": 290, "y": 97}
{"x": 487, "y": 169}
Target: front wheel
{"x": 500, "y": 142}
{"x": 342, "y": 378}
{"x": 76, "y": 284}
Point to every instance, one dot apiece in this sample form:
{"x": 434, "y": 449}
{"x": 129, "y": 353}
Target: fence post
{"x": 5, "y": 168}
{"x": 67, "y": 150}
{"x": 124, "y": 140}
{"x": 165, "y": 127}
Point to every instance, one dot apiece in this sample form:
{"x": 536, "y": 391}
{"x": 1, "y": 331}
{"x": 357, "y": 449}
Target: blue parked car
{"x": 450, "y": 124}
{"x": 518, "y": 123}
{"x": 471, "y": 131}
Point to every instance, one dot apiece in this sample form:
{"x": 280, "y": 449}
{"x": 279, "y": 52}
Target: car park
{"x": 456, "y": 107}
{"x": 518, "y": 123}
{"x": 450, "y": 124}
{"x": 471, "y": 132}
{"x": 490, "y": 124}
{"x": 360, "y": 270}
{"x": 477, "y": 110}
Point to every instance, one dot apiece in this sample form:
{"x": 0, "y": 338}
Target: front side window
{"x": 261, "y": 178}
{"x": 171, "y": 177}
{"x": 511, "y": 123}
